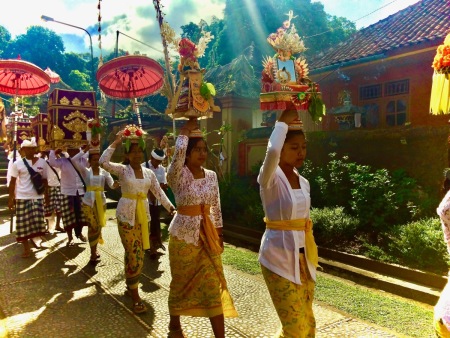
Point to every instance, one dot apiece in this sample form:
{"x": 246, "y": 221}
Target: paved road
{"x": 58, "y": 294}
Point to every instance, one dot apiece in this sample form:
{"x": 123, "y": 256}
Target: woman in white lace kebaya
{"x": 198, "y": 287}
{"x": 132, "y": 212}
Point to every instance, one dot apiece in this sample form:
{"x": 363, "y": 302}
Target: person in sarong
{"x": 157, "y": 156}
{"x": 132, "y": 212}
{"x": 23, "y": 197}
{"x": 198, "y": 287}
{"x": 52, "y": 209}
{"x": 94, "y": 200}
{"x": 72, "y": 191}
{"x": 288, "y": 253}
{"x": 442, "y": 308}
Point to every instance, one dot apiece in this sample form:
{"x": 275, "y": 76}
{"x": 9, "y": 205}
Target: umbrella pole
{"x": 135, "y": 103}
{"x": 13, "y": 159}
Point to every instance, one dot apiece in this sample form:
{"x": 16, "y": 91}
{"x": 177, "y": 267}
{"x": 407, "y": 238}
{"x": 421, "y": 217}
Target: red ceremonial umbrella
{"x": 54, "y": 77}
{"x": 130, "y": 77}
{"x": 22, "y": 78}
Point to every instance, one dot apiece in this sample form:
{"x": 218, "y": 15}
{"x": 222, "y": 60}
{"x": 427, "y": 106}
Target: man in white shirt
{"x": 157, "y": 156}
{"x": 24, "y": 198}
{"x": 72, "y": 191}
{"x": 53, "y": 207}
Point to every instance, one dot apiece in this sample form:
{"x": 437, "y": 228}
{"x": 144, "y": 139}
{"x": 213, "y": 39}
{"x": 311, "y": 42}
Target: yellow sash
{"x": 212, "y": 238}
{"x": 98, "y": 203}
{"x": 141, "y": 215}
{"x": 302, "y": 224}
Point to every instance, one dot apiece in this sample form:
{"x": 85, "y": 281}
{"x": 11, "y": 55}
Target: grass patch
{"x": 241, "y": 259}
{"x": 394, "y": 313}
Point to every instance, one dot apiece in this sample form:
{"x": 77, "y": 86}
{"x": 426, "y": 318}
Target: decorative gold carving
{"x": 23, "y": 136}
{"x": 46, "y": 120}
{"x": 50, "y": 102}
{"x": 87, "y": 102}
{"x": 76, "y": 102}
{"x": 276, "y": 96}
{"x": 77, "y": 126}
{"x": 76, "y": 114}
{"x": 58, "y": 134}
{"x": 64, "y": 144}
{"x": 41, "y": 142}
{"x": 64, "y": 101}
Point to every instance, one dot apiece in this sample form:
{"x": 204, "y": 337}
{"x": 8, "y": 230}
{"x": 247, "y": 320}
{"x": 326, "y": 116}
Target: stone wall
{"x": 421, "y": 151}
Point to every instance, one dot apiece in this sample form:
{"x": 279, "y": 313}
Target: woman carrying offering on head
{"x": 442, "y": 308}
{"x": 94, "y": 200}
{"x": 288, "y": 253}
{"x": 198, "y": 287}
{"x": 132, "y": 212}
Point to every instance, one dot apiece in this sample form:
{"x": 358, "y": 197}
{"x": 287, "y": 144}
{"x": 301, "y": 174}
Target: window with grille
{"x": 371, "y": 115}
{"x": 370, "y": 92}
{"x": 396, "y": 88}
{"x": 396, "y": 113}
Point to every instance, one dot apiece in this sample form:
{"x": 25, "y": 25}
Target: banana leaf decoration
{"x": 142, "y": 143}
{"x": 127, "y": 145}
{"x": 316, "y": 106}
{"x": 207, "y": 90}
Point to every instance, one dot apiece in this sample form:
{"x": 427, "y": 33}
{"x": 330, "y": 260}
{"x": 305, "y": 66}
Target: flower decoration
{"x": 133, "y": 134}
{"x": 441, "y": 62}
{"x": 94, "y": 127}
{"x": 286, "y": 38}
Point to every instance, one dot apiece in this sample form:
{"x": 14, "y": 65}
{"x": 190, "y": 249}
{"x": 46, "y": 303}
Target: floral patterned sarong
{"x": 94, "y": 229}
{"x": 131, "y": 237}
{"x": 198, "y": 287}
{"x": 293, "y": 302}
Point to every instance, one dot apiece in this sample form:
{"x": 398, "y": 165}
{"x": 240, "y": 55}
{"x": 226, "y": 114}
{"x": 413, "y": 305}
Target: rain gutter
{"x": 347, "y": 64}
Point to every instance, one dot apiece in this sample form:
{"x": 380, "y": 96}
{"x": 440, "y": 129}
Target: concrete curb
{"x": 418, "y": 285}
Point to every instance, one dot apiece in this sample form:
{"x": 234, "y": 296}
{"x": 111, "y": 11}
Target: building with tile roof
{"x": 386, "y": 69}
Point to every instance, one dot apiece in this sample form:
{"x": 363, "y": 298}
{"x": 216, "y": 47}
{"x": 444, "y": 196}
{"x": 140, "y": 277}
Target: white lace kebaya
{"x": 191, "y": 191}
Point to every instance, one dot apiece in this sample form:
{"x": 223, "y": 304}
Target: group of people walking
{"x": 288, "y": 254}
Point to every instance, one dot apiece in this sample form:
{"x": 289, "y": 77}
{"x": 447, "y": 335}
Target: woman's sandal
{"x": 176, "y": 333}
{"x": 139, "y": 307}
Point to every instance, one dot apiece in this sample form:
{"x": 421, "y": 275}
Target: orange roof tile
{"x": 427, "y": 20}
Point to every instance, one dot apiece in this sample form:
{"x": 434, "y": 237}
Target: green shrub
{"x": 421, "y": 245}
{"x": 378, "y": 198}
{"x": 333, "y": 226}
{"x": 240, "y": 202}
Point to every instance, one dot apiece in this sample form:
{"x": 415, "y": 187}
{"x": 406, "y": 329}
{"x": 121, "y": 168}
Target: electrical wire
{"x": 364, "y": 16}
{"x": 141, "y": 42}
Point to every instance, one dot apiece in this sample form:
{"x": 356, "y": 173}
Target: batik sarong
{"x": 131, "y": 238}
{"x": 94, "y": 229}
{"x": 293, "y": 302}
{"x": 198, "y": 287}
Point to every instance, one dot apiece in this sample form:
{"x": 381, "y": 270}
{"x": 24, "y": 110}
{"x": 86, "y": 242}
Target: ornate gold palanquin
{"x": 68, "y": 113}
{"x": 24, "y": 129}
{"x": 39, "y": 123}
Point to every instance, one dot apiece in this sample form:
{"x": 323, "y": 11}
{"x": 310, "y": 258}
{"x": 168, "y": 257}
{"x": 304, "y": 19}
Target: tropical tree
{"x": 5, "y": 38}
{"x": 79, "y": 81}
{"x": 74, "y": 61}
{"x": 39, "y": 45}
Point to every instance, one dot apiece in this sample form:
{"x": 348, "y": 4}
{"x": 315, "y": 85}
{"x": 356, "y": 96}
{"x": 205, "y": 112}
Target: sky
{"x": 137, "y": 18}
